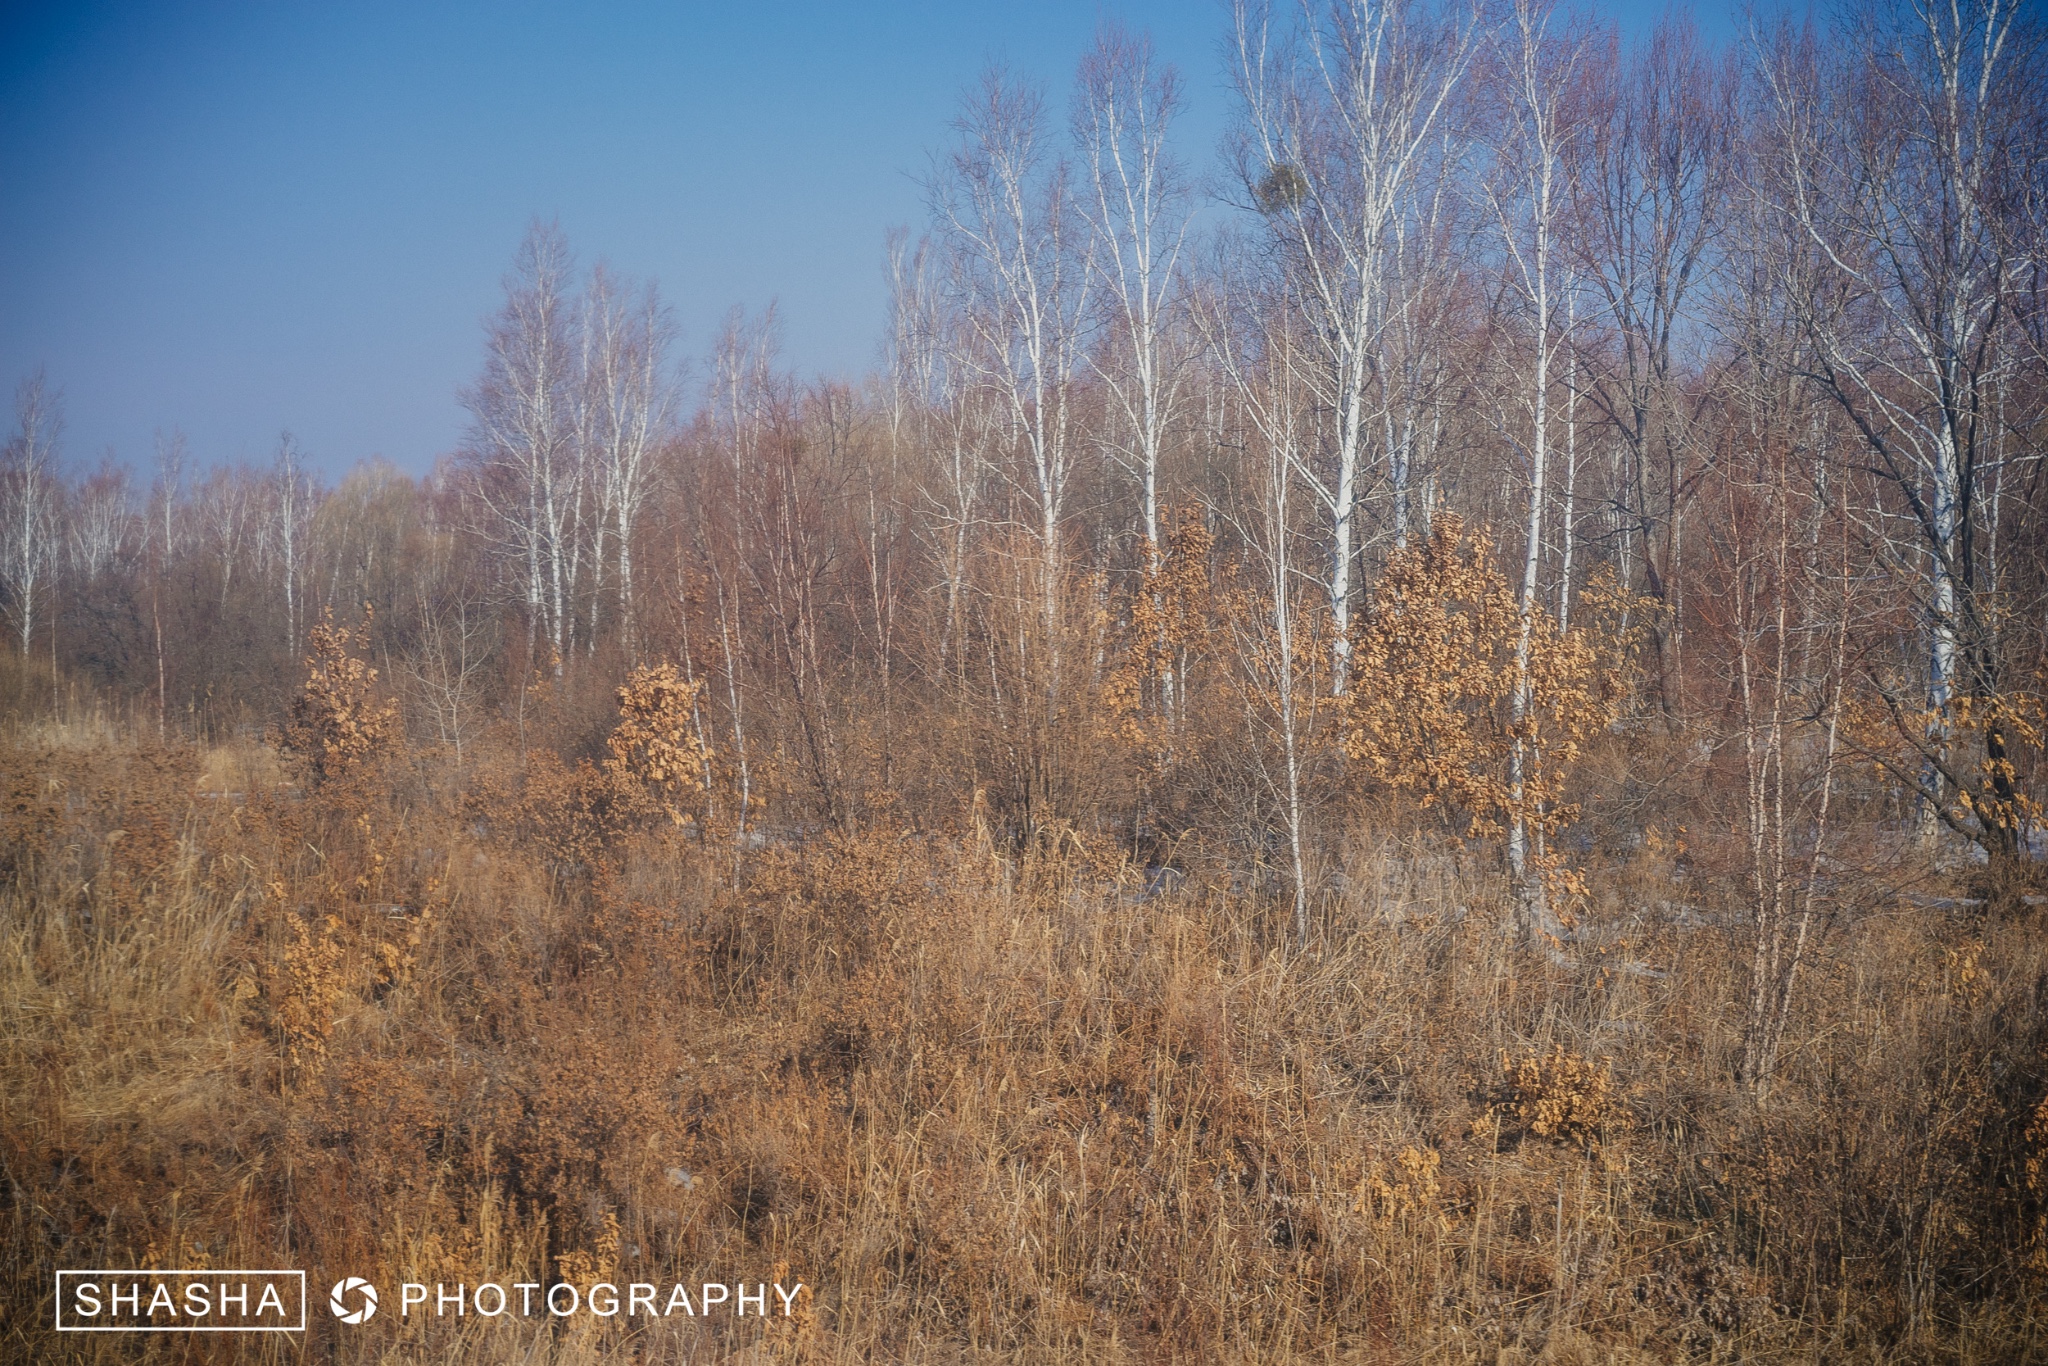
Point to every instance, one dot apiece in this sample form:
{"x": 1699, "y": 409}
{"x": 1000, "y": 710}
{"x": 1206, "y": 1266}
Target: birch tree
{"x": 1020, "y": 255}
{"x": 29, "y": 530}
{"x": 934, "y": 408}
{"x": 165, "y": 540}
{"x": 1898, "y": 163}
{"x": 1417, "y": 370}
{"x": 291, "y": 518}
{"x": 102, "y": 525}
{"x": 522, "y": 438}
{"x": 231, "y": 520}
{"x": 1335, "y": 119}
{"x": 1139, "y": 211}
{"x": 627, "y": 407}
{"x": 1527, "y": 194}
{"x": 1258, "y": 348}
{"x": 1779, "y": 550}
{"x": 744, "y": 394}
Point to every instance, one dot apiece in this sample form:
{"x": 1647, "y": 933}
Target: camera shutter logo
{"x": 337, "y": 1299}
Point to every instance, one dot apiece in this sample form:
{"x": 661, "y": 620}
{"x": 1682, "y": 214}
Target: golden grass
{"x": 989, "y": 1111}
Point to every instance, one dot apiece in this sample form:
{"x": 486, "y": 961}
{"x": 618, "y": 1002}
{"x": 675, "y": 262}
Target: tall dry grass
{"x": 988, "y": 1107}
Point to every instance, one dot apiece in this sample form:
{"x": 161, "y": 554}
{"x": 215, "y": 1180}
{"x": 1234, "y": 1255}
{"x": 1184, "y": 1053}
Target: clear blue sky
{"x": 237, "y": 218}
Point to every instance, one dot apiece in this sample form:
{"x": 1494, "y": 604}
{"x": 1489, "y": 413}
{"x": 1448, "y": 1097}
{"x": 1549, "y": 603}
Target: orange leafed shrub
{"x": 1169, "y": 628}
{"x": 1998, "y": 727}
{"x": 1433, "y": 710}
{"x": 303, "y": 990}
{"x": 2035, "y": 1181}
{"x": 1563, "y": 1096}
{"x": 655, "y": 743}
{"x": 336, "y": 720}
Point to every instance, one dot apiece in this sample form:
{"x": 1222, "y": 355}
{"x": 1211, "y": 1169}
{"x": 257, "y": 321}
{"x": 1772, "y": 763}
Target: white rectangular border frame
{"x": 298, "y": 1327}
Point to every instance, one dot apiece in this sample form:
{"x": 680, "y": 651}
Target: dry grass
{"x": 989, "y": 1110}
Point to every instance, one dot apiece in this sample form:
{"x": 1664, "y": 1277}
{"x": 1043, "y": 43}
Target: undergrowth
{"x": 1019, "y": 1107}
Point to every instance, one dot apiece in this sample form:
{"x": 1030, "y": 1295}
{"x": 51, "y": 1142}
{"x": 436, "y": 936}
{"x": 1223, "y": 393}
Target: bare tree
{"x": 1527, "y": 193}
{"x": 291, "y": 518}
{"x": 1020, "y": 259}
{"x": 170, "y": 462}
{"x": 1780, "y": 543}
{"x": 745, "y": 391}
{"x": 1649, "y": 185}
{"x": 626, "y": 412}
{"x": 522, "y": 439}
{"x": 1413, "y": 380}
{"x": 29, "y": 532}
{"x": 230, "y": 515}
{"x": 1335, "y": 122}
{"x": 1898, "y": 162}
{"x": 446, "y": 670}
{"x": 935, "y": 406}
{"x": 1140, "y": 213}
{"x": 1257, "y": 345}
{"x": 102, "y": 524}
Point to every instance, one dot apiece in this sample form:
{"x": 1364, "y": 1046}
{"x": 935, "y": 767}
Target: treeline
{"x": 1749, "y": 345}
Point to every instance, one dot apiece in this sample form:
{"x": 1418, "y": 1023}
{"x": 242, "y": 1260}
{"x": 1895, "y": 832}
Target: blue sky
{"x": 238, "y": 218}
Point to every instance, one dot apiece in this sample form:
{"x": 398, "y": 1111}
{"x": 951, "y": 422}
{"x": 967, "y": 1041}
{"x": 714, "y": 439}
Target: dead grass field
{"x": 988, "y": 1108}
